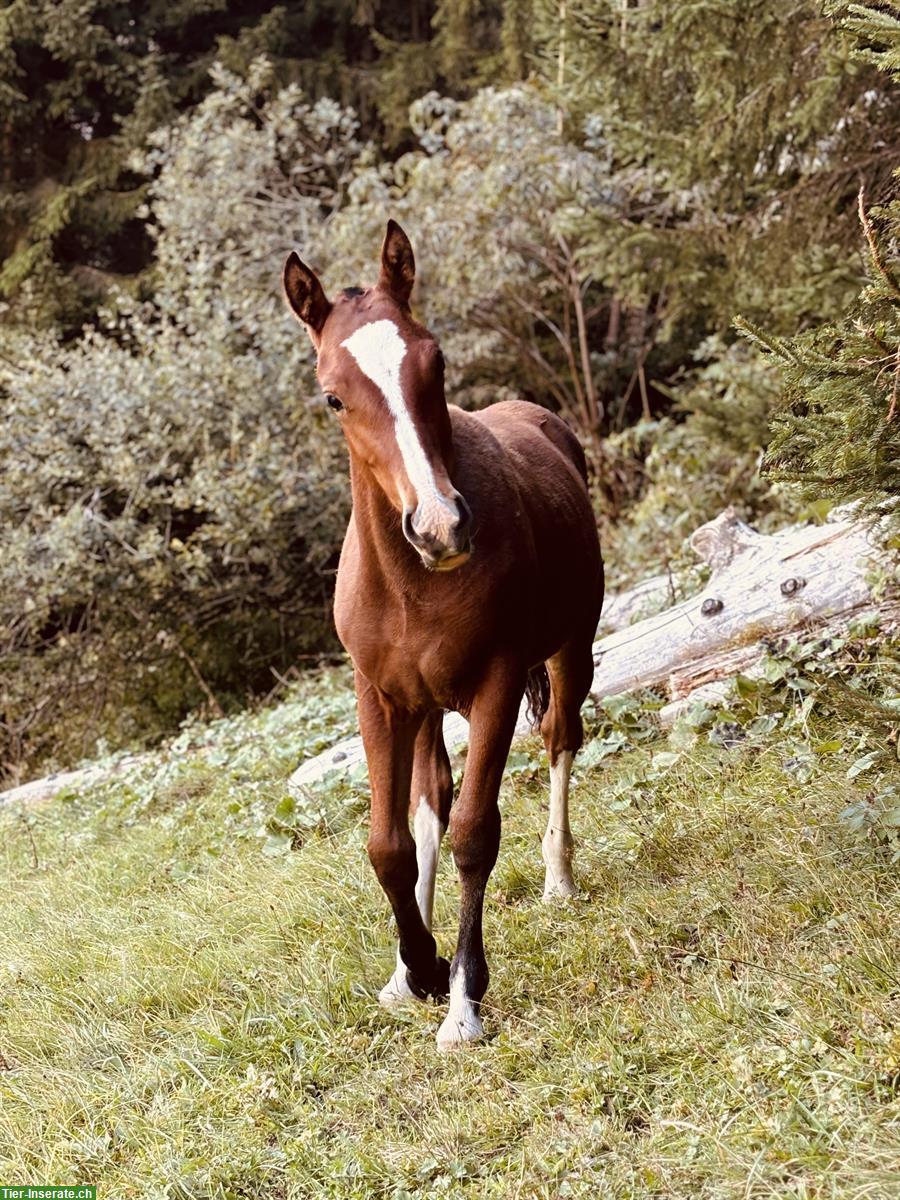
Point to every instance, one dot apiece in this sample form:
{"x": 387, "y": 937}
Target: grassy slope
{"x": 188, "y": 1010}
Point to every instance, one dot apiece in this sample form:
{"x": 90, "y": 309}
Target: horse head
{"x": 383, "y": 374}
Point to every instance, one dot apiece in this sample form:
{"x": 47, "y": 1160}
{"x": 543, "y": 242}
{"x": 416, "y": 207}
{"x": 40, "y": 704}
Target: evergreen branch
{"x": 874, "y": 249}
{"x": 765, "y": 341}
{"x": 877, "y": 16}
{"x": 870, "y": 19}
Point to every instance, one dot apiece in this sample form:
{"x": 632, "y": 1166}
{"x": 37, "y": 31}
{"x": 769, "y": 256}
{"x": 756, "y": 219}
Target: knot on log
{"x": 793, "y": 584}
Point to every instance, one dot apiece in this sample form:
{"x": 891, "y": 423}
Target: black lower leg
{"x": 427, "y": 974}
{"x": 470, "y": 957}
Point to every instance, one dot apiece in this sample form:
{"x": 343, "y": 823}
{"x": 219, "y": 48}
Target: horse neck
{"x": 383, "y": 549}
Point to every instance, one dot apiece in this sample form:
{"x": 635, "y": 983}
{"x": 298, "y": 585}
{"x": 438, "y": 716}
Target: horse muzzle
{"x": 442, "y": 549}
{"x": 449, "y": 562}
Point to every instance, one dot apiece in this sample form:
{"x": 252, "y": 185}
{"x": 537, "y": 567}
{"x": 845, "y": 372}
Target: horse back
{"x": 548, "y": 508}
{"x": 513, "y": 420}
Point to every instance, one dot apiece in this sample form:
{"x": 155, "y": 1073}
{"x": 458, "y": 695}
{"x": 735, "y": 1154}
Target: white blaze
{"x": 379, "y": 351}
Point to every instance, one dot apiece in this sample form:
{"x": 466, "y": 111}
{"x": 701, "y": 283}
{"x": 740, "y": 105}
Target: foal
{"x": 470, "y": 560}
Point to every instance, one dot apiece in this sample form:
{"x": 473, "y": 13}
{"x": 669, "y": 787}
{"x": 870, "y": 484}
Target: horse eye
{"x": 332, "y": 401}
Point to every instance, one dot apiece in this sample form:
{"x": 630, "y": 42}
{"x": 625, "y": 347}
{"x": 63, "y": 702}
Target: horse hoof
{"x": 396, "y": 992}
{"x": 456, "y": 1031}
{"x": 438, "y": 989}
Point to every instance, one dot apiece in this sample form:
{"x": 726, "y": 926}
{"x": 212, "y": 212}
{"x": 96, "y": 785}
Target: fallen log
{"x": 40, "y": 790}
{"x": 759, "y": 587}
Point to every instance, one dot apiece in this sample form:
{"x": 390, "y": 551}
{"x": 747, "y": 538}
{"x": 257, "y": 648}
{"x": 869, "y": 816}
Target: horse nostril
{"x": 465, "y": 517}
{"x": 421, "y": 539}
{"x": 408, "y": 531}
{"x": 436, "y": 547}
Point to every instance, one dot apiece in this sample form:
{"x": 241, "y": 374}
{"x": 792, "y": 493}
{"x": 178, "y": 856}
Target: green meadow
{"x": 189, "y": 963}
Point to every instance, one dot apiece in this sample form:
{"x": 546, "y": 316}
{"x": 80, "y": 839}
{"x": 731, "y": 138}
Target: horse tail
{"x": 537, "y": 690}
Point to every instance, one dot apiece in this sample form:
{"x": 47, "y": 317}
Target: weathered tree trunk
{"x": 40, "y": 790}
{"x": 759, "y": 587}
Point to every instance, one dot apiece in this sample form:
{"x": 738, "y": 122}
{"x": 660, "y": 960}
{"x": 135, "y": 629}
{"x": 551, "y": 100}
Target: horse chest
{"x": 419, "y": 654}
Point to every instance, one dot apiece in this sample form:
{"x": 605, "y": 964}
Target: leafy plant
{"x": 876, "y": 817}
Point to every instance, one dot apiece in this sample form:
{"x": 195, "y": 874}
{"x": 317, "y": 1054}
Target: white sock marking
{"x": 462, "y": 1023}
{"x": 428, "y": 832}
{"x": 379, "y": 351}
{"x": 557, "y": 845}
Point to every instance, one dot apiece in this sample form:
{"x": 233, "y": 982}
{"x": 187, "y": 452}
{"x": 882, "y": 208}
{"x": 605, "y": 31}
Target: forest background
{"x": 595, "y": 189}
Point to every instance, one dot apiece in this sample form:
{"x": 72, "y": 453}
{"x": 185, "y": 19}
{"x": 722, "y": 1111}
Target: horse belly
{"x": 568, "y": 586}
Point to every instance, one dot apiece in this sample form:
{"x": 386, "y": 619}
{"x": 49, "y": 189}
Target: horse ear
{"x": 398, "y": 266}
{"x": 305, "y": 294}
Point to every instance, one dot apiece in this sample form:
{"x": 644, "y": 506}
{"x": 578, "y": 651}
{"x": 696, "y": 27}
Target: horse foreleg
{"x": 475, "y": 833}
{"x": 389, "y": 736}
{"x": 432, "y": 793}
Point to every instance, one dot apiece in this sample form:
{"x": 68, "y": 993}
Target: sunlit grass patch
{"x": 188, "y": 1010}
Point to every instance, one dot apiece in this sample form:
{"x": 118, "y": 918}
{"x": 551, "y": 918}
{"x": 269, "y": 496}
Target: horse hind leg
{"x": 571, "y": 672}
{"x": 430, "y": 797}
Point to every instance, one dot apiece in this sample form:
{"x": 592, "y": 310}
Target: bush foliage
{"x": 593, "y": 190}
{"x": 173, "y": 499}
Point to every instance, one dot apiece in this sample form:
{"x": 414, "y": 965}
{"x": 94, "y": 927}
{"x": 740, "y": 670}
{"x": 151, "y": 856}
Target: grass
{"x": 188, "y": 972}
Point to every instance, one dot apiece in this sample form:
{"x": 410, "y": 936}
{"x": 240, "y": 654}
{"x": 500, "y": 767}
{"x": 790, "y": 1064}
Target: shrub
{"x": 172, "y": 495}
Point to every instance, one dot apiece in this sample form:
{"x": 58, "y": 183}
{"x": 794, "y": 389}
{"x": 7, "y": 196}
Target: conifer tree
{"x": 84, "y": 82}
{"x": 836, "y": 430}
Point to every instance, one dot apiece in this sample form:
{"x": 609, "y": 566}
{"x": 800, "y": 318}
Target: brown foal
{"x": 471, "y": 559}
